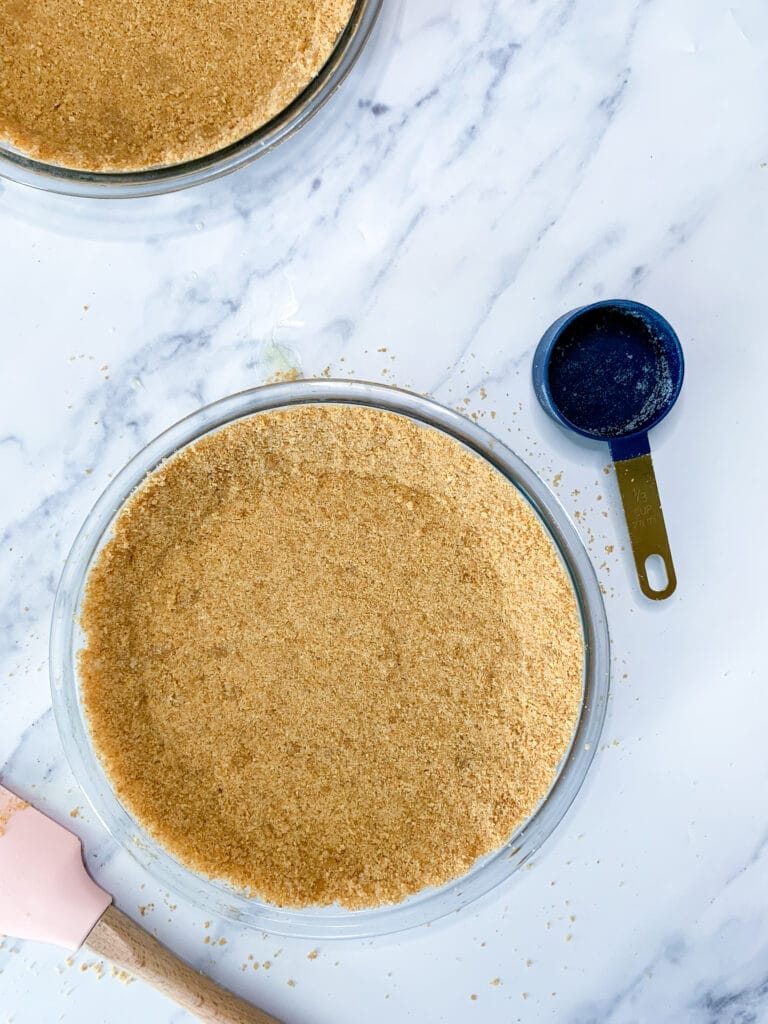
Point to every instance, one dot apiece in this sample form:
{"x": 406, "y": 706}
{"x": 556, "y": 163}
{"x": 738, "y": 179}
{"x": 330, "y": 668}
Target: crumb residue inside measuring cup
{"x": 608, "y": 374}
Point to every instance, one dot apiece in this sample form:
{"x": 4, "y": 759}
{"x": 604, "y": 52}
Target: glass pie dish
{"x": 17, "y": 166}
{"x": 217, "y": 896}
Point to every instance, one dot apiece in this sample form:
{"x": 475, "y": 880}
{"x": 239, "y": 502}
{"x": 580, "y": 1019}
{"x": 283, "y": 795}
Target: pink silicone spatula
{"x": 46, "y": 894}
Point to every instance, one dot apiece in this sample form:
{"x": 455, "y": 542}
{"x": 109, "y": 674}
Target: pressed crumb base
{"x": 115, "y": 85}
{"x": 331, "y": 656}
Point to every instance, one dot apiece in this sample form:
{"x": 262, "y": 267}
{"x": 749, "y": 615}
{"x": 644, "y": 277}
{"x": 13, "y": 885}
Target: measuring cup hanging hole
{"x": 656, "y": 573}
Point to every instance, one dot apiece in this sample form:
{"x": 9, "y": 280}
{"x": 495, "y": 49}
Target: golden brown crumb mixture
{"x": 8, "y": 807}
{"x": 331, "y": 656}
{"x": 120, "y": 85}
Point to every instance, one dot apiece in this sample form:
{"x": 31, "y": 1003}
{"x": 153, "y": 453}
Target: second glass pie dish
{"x": 20, "y": 167}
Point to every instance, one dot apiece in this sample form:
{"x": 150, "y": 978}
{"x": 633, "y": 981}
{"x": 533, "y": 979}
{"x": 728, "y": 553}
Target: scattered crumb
{"x": 312, "y": 955}
{"x": 75, "y": 812}
{"x": 284, "y": 376}
{"x": 473, "y": 997}
{"x": 556, "y": 479}
{"x": 291, "y": 983}
{"x": 496, "y": 982}
{"x": 145, "y": 908}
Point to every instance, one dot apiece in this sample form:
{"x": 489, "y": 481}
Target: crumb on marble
{"x": 284, "y": 376}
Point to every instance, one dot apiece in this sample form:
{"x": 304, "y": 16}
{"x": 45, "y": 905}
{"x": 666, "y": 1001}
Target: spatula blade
{"x": 45, "y": 892}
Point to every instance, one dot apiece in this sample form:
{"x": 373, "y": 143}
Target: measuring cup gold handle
{"x": 645, "y": 521}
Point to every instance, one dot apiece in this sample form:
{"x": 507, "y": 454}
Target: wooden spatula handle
{"x": 119, "y": 939}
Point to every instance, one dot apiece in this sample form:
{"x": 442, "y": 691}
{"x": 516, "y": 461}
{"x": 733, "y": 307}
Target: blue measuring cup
{"x": 611, "y": 371}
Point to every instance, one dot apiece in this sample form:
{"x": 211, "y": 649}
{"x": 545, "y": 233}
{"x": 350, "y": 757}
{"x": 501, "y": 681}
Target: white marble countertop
{"x": 486, "y": 167}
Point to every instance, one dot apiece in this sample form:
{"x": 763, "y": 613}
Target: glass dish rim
{"x": 25, "y": 170}
{"x": 334, "y": 922}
